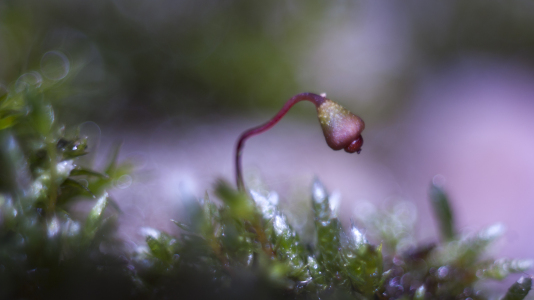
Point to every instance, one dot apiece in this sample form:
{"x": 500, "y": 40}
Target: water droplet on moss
{"x": 443, "y": 272}
{"x": 55, "y": 65}
{"x": 53, "y": 227}
{"x": 280, "y": 225}
{"x": 266, "y": 202}
{"x": 123, "y": 182}
{"x": 357, "y": 236}
{"x": 30, "y": 79}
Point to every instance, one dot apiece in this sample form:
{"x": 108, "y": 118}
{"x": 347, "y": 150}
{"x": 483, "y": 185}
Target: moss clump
{"x": 241, "y": 246}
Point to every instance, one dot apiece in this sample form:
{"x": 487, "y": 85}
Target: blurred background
{"x": 446, "y": 90}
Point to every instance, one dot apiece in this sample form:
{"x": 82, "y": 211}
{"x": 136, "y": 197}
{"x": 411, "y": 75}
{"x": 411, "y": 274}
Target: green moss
{"x": 240, "y": 246}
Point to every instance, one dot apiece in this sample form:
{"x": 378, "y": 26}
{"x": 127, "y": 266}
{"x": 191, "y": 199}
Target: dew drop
{"x": 443, "y": 272}
{"x": 63, "y": 168}
{"x": 123, "y": 182}
{"x": 357, "y": 236}
{"x": 55, "y": 65}
{"x": 280, "y": 225}
{"x": 266, "y": 203}
{"x": 53, "y": 227}
{"x": 28, "y": 80}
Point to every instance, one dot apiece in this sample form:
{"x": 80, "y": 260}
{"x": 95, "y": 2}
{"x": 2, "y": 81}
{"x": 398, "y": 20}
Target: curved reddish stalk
{"x": 314, "y": 98}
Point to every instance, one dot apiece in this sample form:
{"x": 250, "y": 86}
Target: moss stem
{"x": 314, "y": 98}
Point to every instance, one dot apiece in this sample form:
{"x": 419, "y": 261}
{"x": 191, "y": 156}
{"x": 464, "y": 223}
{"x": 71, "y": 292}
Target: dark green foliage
{"x": 248, "y": 236}
{"x": 46, "y": 252}
{"x": 350, "y": 263}
{"x": 238, "y": 246}
{"x": 519, "y": 290}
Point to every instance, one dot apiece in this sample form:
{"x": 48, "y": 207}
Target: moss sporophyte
{"x": 342, "y": 129}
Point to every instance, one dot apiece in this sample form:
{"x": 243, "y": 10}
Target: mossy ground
{"x": 233, "y": 244}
